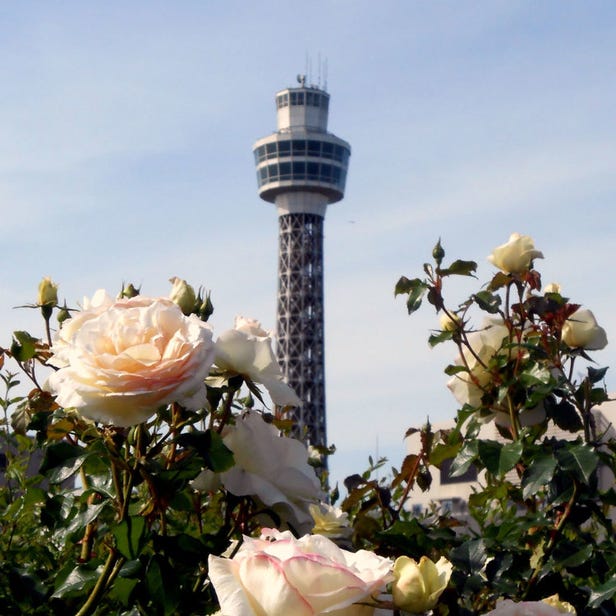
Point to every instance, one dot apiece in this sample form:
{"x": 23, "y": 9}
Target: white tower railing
{"x": 302, "y": 168}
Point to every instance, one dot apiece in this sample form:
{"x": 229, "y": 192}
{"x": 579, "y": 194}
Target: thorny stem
{"x": 101, "y": 584}
{"x": 553, "y": 537}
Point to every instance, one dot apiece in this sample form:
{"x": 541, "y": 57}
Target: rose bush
{"x": 247, "y": 350}
{"x": 118, "y": 361}
{"x": 279, "y": 575}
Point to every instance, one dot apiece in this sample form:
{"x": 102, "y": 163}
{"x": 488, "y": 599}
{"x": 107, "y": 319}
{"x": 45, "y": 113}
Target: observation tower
{"x": 301, "y": 168}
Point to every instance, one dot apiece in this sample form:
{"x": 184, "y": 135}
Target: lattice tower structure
{"x": 301, "y": 168}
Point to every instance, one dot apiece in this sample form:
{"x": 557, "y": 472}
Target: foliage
{"x": 100, "y": 518}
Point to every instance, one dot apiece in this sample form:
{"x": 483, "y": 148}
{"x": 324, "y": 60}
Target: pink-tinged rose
{"x": 273, "y": 468}
{"x": 279, "y": 575}
{"x": 119, "y": 360}
{"x": 524, "y": 608}
{"x": 247, "y": 350}
{"x": 582, "y": 331}
{"x": 516, "y": 256}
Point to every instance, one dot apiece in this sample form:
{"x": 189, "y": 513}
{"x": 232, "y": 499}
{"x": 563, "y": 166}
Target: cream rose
{"x": 330, "y": 521}
{"x": 273, "y": 468}
{"x": 581, "y": 330}
{"x": 247, "y": 350}
{"x": 486, "y": 344}
{"x": 516, "y": 256}
{"x": 418, "y": 586}
{"x": 119, "y": 360}
{"x": 278, "y": 575}
{"x": 524, "y": 608}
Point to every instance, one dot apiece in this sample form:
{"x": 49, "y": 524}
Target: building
{"x": 301, "y": 168}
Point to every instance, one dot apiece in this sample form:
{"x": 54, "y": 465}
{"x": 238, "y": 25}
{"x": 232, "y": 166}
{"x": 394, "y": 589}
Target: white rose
{"x": 273, "y": 468}
{"x": 581, "y": 330}
{"x": 247, "y": 350}
{"x": 486, "y": 343}
{"x": 330, "y": 521}
{"x": 278, "y": 575}
{"x": 119, "y": 360}
{"x": 516, "y": 256}
{"x": 524, "y": 608}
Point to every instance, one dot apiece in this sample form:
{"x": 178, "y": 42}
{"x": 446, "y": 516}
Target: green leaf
{"x": 81, "y": 520}
{"x": 435, "y": 339}
{"x": 470, "y": 557}
{"x": 122, "y": 589}
{"x": 160, "y": 584}
{"x": 573, "y": 560}
{"x": 564, "y": 414}
{"x": 535, "y": 374}
{"x": 405, "y": 285}
{"x": 61, "y": 461}
{"x": 497, "y": 458}
{"x": 414, "y": 299}
{"x": 463, "y": 461}
{"x": 602, "y": 593}
{"x": 487, "y": 301}
{"x": 210, "y": 446}
{"x": 77, "y": 582}
{"x": 579, "y": 459}
{"x": 130, "y": 536}
{"x": 596, "y": 374}
{"x": 23, "y": 347}
{"x": 500, "y": 280}
{"x": 460, "y": 268}
{"x": 538, "y": 474}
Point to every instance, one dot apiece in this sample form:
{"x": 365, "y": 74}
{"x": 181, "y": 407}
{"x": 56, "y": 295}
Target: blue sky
{"x": 127, "y": 129}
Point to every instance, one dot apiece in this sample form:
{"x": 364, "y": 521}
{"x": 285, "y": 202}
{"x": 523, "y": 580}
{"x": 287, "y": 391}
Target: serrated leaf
{"x": 500, "y": 280}
{"x": 23, "y": 347}
{"x": 596, "y": 374}
{"x": 497, "y": 458}
{"x": 77, "y": 582}
{"x": 463, "y": 461}
{"x": 538, "y": 474}
{"x": 414, "y": 299}
{"x": 564, "y": 415}
{"x": 451, "y": 370}
{"x": 471, "y": 556}
{"x": 443, "y": 336}
{"x": 130, "y": 536}
{"x": 487, "y": 301}
{"x": 460, "y": 268}
{"x": 406, "y": 285}
{"x": 579, "y": 459}
{"x": 61, "y": 461}
{"x": 211, "y": 448}
{"x": 602, "y": 593}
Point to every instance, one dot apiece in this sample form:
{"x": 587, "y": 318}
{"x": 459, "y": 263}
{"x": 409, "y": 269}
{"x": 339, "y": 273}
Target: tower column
{"x": 299, "y": 328}
{"x": 302, "y": 169}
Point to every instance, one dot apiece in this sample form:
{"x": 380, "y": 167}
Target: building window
{"x": 469, "y": 476}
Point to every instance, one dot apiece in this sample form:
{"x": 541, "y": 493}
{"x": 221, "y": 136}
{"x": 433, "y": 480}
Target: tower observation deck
{"x": 302, "y": 168}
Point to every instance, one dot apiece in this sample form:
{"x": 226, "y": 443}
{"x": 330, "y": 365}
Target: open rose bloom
{"x": 278, "y": 575}
{"x": 120, "y": 360}
{"x": 272, "y": 468}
